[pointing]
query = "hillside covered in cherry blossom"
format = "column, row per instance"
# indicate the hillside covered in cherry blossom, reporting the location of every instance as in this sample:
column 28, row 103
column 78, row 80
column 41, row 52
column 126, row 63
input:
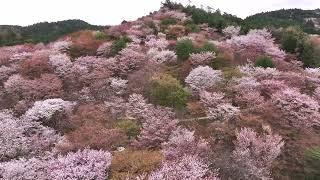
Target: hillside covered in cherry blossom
column 174, row 95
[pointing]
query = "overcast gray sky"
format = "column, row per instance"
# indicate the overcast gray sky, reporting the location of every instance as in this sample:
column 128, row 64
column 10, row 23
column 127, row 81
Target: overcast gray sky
column 110, row 12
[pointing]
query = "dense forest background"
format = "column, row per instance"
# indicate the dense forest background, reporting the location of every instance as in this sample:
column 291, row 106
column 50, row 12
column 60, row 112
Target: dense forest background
column 41, row 32
column 307, row 20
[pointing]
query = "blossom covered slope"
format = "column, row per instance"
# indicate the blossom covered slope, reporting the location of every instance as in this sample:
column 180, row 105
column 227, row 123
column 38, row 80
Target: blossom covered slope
column 157, row 99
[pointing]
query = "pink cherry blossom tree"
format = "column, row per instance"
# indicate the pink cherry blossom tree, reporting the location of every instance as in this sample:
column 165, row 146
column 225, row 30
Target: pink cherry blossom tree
column 20, row 137
column 162, row 56
column 44, row 110
column 217, row 107
column 231, row 31
column 85, row 164
column 298, row 109
column 61, row 63
column 247, row 92
column 262, row 42
column 157, row 122
column 183, row 142
column 255, row 154
column 202, row 58
column 187, row 167
column 203, row 77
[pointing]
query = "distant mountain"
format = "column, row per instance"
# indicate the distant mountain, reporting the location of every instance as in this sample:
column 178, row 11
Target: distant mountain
column 41, row 32
column 307, row 20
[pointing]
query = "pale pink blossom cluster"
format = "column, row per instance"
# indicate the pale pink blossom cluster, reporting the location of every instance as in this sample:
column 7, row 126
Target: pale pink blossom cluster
column 61, row 62
column 47, row 86
column 202, row 58
column 20, row 56
column 62, row 45
column 313, row 72
column 104, row 49
column 298, row 109
column 187, row 167
column 177, row 15
column 260, row 40
column 247, row 92
column 118, row 85
column 162, row 56
column 129, row 58
column 44, row 110
column 271, row 86
column 183, row 142
column 232, row 31
column 203, row 77
column 6, row 72
column 255, row 154
column 24, row 138
column 85, row 164
column 160, row 43
column 157, row 122
column 217, row 106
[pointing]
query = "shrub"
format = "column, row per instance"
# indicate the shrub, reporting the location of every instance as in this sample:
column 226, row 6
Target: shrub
column 100, row 35
column 175, row 31
column 195, row 109
column 208, row 47
column 129, row 127
column 265, row 62
column 314, row 153
column 130, row 164
column 229, row 73
column 192, row 27
column 291, row 38
column 168, row 21
column 184, row 49
column 308, row 55
column 222, row 60
column 289, row 43
column 167, row 91
column 118, row 45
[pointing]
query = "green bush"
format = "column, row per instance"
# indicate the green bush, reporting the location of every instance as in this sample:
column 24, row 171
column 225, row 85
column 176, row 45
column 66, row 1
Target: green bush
column 314, row 153
column 184, row 49
column 129, row 127
column 167, row 91
column 208, row 47
column 308, row 55
column 265, row 62
column 289, row 43
column 168, row 21
column 222, row 61
column 313, row 160
column 192, row 27
column 100, row 35
column 118, row 45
